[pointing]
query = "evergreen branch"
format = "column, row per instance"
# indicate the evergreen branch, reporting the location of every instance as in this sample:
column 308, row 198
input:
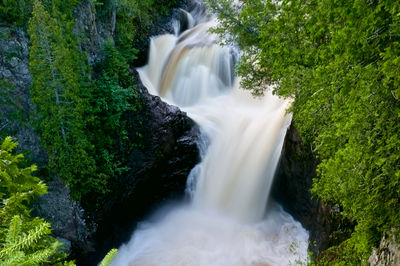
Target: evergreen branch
column 41, row 255
column 109, row 257
column 14, row 258
column 14, row 230
column 26, row 240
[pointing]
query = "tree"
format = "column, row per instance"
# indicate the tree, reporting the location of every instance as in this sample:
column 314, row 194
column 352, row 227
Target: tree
column 18, row 246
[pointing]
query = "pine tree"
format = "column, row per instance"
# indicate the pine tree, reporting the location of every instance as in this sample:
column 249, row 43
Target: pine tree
column 15, row 11
column 18, row 186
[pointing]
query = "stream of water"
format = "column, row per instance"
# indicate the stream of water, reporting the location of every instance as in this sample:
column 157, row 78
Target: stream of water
column 227, row 222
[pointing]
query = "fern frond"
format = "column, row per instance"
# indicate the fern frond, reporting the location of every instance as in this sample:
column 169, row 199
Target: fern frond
column 15, row 258
column 14, row 230
column 41, row 255
column 14, row 205
column 8, row 144
column 26, row 239
column 109, row 257
column 5, row 178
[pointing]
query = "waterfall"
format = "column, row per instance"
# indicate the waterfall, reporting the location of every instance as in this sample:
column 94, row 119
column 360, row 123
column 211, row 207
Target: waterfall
column 226, row 222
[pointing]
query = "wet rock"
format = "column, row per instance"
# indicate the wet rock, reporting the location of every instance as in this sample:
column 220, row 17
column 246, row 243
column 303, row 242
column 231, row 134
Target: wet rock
column 292, row 184
column 6, row 73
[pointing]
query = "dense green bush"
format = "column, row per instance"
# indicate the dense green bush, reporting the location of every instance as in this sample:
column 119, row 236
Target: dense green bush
column 15, row 11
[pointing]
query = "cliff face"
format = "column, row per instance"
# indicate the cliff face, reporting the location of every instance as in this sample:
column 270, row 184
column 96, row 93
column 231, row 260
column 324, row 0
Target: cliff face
column 291, row 188
column 16, row 108
column 157, row 169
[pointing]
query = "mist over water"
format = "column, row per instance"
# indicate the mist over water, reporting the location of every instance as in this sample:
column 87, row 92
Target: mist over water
column 227, row 222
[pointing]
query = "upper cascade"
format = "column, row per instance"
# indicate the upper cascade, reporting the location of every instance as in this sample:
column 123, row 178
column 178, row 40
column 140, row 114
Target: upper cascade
column 194, row 72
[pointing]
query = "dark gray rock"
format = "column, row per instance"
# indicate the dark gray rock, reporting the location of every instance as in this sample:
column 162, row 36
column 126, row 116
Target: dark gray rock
column 66, row 217
column 92, row 31
column 292, row 184
column 66, row 246
column 16, row 107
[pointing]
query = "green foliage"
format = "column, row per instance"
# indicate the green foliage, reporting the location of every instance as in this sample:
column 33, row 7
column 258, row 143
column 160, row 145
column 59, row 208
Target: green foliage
column 109, row 257
column 342, row 254
column 18, row 12
column 80, row 120
column 15, row 11
column 23, row 240
column 340, row 61
column 17, row 249
column 59, row 92
column 134, row 20
column 112, row 94
column 18, row 186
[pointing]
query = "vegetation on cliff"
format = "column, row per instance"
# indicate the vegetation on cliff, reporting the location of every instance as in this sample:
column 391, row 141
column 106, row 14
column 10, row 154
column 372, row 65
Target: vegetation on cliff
column 80, row 106
column 340, row 61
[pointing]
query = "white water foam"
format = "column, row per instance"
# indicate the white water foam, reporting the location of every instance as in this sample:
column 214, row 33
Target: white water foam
column 188, row 236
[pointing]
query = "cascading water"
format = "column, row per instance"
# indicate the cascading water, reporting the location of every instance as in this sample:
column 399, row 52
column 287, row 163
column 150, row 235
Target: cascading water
column 225, row 224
